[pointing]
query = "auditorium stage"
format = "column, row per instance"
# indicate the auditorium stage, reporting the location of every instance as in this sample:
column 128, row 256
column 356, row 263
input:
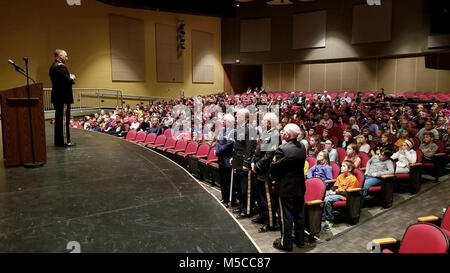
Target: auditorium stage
column 109, row 195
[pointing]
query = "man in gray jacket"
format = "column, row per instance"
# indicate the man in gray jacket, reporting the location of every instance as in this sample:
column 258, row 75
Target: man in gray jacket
column 376, row 167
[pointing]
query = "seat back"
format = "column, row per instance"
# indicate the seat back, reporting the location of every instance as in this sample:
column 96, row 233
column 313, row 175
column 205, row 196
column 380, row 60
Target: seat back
column 212, row 154
column 335, row 169
column 440, row 144
column 202, row 150
column 127, row 127
column 419, row 156
column 311, row 161
column 445, row 223
column 360, row 176
column 191, row 147
column 160, row 140
column 168, row 133
column 315, row 189
column 364, row 158
column 150, row 138
column 342, row 153
column 424, row 238
column 141, row 136
column 131, row 135
column 170, row 142
column 181, row 145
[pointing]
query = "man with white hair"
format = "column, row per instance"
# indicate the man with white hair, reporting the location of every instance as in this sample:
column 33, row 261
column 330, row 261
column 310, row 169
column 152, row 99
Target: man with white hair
column 287, row 171
column 325, row 96
column 224, row 152
column 243, row 149
column 265, row 150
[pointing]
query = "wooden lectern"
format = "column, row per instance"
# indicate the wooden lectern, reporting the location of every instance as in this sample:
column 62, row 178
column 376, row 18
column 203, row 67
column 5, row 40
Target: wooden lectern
column 16, row 128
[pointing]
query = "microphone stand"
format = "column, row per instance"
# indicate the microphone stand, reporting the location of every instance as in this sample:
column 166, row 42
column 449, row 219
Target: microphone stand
column 33, row 164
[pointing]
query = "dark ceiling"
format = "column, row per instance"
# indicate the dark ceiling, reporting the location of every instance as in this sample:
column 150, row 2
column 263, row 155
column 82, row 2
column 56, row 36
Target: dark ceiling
column 219, row 8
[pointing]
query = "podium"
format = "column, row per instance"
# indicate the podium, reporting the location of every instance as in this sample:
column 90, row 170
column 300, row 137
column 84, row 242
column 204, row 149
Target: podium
column 16, row 128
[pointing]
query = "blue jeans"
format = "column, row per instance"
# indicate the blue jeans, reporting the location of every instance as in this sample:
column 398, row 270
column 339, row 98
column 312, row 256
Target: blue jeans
column 329, row 206
column 369, row 181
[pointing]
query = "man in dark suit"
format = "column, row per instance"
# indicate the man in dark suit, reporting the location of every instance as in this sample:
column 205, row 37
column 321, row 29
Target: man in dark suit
column 265, row 150
column 62, row 82
column 287, row 171
column 243, row 149
column 224, row 152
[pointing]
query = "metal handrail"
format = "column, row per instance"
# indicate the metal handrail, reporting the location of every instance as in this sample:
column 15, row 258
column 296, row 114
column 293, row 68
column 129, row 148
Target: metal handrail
column 99, row 93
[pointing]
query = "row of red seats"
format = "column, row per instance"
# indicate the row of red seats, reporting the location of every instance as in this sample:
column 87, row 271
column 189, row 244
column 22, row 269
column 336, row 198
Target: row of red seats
column 428, row 95
column 199, row 159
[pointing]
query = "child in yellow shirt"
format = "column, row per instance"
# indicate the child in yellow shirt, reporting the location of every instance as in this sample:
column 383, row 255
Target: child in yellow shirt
column 345, row 181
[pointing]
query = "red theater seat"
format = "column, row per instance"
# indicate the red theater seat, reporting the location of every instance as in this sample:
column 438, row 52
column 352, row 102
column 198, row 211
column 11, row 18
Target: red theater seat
column 170, row 143
column 179, row 147
column 139, row 138
column 160, row 141
column 204, row 168
column 311, row 162
column 131, row 135
column 418, row 238
column 342, row 153
column 315, row 192
column 149, row 139
column 182, row 158
column 202, row 152
column 351, row 208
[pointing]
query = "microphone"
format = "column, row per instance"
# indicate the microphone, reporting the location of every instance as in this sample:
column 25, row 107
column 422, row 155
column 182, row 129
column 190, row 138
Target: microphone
column 11, row 62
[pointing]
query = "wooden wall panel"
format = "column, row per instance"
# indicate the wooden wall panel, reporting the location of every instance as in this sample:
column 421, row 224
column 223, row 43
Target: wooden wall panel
column 317, row 77
column 368, row 75
column 426, row 78
column 202, row 57
column 386, row 74
column 169, row 64
column 443, row 84
column 350, row 76
column 302, row 77
column 271, row 77
column 406, row 73
column 287, row 77
column 333, row 77
column 127, row 48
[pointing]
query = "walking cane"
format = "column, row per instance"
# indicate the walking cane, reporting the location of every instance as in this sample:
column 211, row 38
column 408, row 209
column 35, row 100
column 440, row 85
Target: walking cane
column 231, row 189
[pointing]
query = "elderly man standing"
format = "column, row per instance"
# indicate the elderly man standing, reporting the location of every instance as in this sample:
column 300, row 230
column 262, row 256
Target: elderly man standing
column 62, row 95
column 243, row 149
column 265, row 150
column 287, row 171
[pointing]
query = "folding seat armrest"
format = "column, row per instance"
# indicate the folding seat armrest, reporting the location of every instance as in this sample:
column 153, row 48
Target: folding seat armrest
column 179, row 150
column 386, row 176
column 201, row 156
column 362, row 169
column 314, row 202
column 385, row 241
column 415, row 164
column 438, row 154
column 213, row 160
column 332, row 181
column 430, row 219
column 170, row 147
column 354, row 190
column 388, row 243
column 191, row 153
